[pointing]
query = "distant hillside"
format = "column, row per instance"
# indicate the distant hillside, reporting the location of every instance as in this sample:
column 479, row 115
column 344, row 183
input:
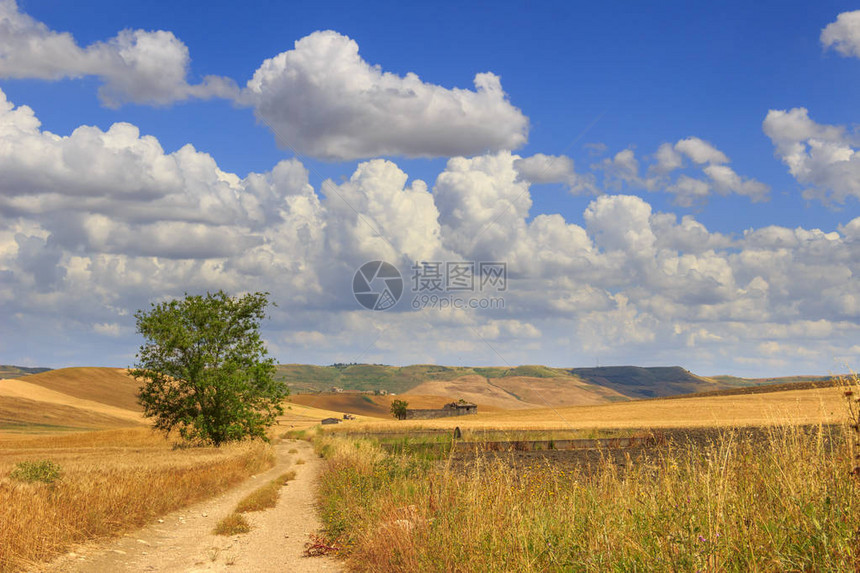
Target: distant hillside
column 74, row 399
column 8, row 371
column 767, row 385
column 735, row 382
column 304, row 378
column 523, row 386
column 639, row 382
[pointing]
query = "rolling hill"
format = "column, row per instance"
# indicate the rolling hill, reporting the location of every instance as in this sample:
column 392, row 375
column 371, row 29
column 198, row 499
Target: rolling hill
column 87, row 398
column 8, row 371
column 638, row 382
column 70, row 398
column 531, row 384
column 109, row 386
column 75, row 399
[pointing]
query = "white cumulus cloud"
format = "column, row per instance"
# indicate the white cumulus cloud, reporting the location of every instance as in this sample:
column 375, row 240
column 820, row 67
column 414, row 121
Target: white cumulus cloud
column 823, row 157
column 137, row 66
column 691, row 169
column 323, row 99
column 98, row 223
column 541, row 168
column 843, row 35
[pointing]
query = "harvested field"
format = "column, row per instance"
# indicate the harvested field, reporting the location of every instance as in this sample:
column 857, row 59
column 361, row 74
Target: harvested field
column 793, row 407
column 109, row 386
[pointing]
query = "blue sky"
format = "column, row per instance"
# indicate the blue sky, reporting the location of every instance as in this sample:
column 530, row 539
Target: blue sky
column 756, row 274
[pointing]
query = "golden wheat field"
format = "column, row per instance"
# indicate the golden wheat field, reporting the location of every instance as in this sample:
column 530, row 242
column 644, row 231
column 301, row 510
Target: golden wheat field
column 790, row 407
column 716, row 495
column 109, row 481
column 114, row 474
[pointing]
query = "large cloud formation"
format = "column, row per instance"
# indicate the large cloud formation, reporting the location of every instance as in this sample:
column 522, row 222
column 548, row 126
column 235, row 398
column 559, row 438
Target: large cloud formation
column 96, row 224
column 322, row 99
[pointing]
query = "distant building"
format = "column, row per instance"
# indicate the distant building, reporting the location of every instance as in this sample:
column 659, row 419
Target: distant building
column 336, row 390
column 458, row 408
column 329, row 421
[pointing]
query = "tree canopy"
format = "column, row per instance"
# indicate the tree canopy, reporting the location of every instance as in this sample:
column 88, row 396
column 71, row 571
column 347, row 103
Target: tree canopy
column 398, row 409
column 205, row 369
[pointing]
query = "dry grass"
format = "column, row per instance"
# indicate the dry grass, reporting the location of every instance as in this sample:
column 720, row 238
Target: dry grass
column 112, row 481
column 851, row 393
column 783, row 504
column 233, row 524
column 261, row 498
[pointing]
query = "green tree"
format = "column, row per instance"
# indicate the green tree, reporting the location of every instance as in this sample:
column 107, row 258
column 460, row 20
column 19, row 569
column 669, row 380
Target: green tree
column 205, row 370
column 398, row 409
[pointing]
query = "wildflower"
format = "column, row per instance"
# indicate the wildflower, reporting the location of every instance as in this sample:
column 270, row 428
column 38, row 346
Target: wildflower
column 702, row 539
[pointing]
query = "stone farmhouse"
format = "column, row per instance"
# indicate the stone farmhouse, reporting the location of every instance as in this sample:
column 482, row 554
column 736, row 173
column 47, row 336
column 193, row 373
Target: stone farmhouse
column 459, row 408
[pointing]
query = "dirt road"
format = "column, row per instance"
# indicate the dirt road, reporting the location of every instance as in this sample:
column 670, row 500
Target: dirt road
column 183, row 542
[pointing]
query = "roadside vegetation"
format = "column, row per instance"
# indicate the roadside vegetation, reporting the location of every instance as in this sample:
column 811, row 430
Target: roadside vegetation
column 262, row 498
column 785, row 502
column 56, row 491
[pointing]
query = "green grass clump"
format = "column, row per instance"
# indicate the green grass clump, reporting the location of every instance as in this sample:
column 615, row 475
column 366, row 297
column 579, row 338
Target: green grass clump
column 260, row 499
column 44, row 471
column 233, row 524
column 265, row 497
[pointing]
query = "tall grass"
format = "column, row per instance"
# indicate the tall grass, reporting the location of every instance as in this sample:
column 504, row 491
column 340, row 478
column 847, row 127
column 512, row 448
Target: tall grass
column 784, row 503
column 851, row 385
column 111, row 482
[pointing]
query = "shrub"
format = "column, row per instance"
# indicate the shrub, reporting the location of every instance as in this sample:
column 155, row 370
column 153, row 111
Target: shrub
column 43, row 470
